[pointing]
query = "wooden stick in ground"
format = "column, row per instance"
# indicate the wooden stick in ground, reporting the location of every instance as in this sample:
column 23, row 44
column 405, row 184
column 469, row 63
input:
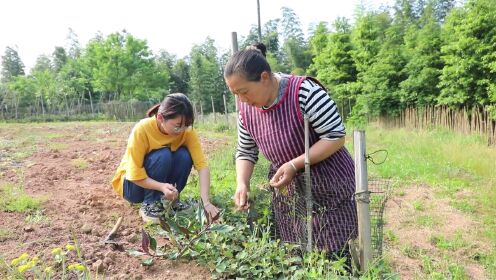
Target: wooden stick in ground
column 114, row 229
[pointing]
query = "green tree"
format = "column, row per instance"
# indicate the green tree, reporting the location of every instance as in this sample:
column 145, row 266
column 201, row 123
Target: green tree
column 334, row 63
column 442, row 9
column 180, row 77
column 423, row 48
column 19, row 93
column 367, row 37
column 12, row 65
column 206, row 80
column 317, row 43
column 468, row 77
column 295, row 53
column 74, row 47
column 270, row 36
column 382, row 79
column 59, row 58
column 123, row 68
column 74, row 84
column 251, row 38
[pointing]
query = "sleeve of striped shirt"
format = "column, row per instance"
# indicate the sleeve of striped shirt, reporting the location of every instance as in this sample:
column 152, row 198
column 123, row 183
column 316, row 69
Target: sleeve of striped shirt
column 247, row 148
column 322, row 111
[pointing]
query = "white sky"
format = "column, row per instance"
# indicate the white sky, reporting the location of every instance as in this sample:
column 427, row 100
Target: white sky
column 35, row 27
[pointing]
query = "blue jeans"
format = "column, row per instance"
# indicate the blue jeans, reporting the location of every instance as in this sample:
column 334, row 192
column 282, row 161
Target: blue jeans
column 163, row 166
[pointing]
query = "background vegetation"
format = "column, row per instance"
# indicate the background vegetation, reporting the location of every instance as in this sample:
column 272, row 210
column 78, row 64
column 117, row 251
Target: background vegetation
column 416, row 53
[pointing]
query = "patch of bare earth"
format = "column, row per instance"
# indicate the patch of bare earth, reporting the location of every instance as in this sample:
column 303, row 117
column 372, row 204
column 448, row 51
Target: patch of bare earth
column 416, row 239
column 74, row 181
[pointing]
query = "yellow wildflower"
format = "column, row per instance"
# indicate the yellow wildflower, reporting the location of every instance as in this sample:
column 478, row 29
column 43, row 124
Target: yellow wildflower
column 21, row 258
column 22, row 268
column 15, row 261
column 70, row 247
column 56, row 251
column 48, row 269
column 35, row 259
column 76, row 266
column 31, row 263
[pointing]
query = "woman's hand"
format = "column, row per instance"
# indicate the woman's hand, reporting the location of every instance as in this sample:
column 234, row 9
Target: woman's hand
column 241, row 198
column 170, row 192
column 283, row 176
column 211, row 211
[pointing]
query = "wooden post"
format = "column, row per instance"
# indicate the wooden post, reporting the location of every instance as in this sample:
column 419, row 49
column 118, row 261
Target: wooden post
column 234, row 44
column 259, row 25
column 362, row 197
column 308, row 187
column 225, row 109
column 194, row 109
column 213, row 108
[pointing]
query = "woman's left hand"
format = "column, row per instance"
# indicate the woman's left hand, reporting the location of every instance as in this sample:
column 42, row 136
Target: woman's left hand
column 283, row 176
column 212, row 212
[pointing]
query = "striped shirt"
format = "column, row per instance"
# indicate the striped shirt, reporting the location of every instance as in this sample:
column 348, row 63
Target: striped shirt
column 315, row 102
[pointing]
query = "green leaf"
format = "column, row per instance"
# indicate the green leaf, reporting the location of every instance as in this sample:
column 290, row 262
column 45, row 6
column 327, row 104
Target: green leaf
column 174, row 226
column 135, row 253
column 164, row 225
column 147, row 262
column 221, row 267
column 153, row 244
column 221, row 228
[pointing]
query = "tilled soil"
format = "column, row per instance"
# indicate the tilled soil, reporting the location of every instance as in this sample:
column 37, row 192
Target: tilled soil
column 70, row 169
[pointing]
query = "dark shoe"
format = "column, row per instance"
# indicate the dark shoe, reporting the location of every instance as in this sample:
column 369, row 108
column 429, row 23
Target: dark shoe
column 150, row 212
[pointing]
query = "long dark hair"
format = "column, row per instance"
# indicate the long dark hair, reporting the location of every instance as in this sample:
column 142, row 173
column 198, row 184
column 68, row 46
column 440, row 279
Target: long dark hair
column 248, row 63
column 174, row 105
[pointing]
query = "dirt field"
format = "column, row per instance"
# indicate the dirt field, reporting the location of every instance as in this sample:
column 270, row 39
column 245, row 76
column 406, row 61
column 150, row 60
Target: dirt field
column 70, row 165
column 70, row 168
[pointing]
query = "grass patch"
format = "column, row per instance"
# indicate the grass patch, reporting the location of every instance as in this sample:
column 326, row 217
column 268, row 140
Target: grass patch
column 53, row 135
column 426, row 221
column 57, row 145
column 418, row 205
column 37, row 217
column 463, row 205
column 4, row 234
column 390, row 236
column 453, row 244
column 13, row 199
column 80, row 163
column 411, row 251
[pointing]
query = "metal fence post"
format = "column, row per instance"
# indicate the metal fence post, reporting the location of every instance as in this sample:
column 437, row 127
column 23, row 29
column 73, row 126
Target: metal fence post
column 362, row 197
column 308, row 187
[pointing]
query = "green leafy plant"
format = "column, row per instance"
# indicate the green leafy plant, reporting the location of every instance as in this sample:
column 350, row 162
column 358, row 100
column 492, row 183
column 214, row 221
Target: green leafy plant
column 230, row 249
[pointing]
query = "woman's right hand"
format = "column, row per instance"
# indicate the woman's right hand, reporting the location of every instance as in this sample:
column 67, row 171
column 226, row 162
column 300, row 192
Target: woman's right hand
column 170, row 192
column 241, row 198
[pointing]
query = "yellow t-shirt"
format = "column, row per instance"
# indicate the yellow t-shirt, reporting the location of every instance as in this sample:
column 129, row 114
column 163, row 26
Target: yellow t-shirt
column 146, row 137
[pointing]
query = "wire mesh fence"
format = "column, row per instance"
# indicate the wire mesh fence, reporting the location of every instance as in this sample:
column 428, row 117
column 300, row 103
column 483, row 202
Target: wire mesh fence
column 380, row 191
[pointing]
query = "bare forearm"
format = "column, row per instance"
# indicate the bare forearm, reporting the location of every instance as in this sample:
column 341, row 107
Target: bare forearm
column 244, row 170
column 319, row 151
column 149, row 183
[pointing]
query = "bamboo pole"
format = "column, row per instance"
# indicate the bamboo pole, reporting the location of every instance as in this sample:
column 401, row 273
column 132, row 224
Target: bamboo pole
column 213, row 108
column 225, row 110
column 308, row 186
column 234, row 47
column 362, row 197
